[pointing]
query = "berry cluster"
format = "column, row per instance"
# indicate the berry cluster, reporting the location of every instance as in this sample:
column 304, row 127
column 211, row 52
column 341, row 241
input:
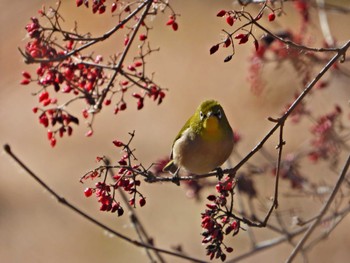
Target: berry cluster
column 66, row 73
column 218, row 220
column 126, row 180
column 327, row 139
column 242, row 33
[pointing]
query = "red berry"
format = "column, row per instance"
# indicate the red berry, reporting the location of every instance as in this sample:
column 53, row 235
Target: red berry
column 271, row 17
column 142, row 201
column 89, row 133
column 26, row 75
column 140, row 104
column 221, row 13
column 229, row 249
column 211, row 197
column 107, row 102
column 122, row 106
column 88, row 192
column 85, row 113
column 53, row 142
column 131, row 68
column 120, row 211
column 102, row 9
column 122, row 162
column 46, row 102
column 79, row 2
column 25, row 81
column 132, row 201
column 138, row 64
column 175, row 26
column 243, row 38
column 213, row 49
column 234, row 225
column 126, row 40
column 142, row 37
column 227, row 42
column 136, row 95
column 211, row 206
column 170, row 21
column 49, row 134
column 114, row 7
column 230, row 20
column 35, row 109
column 70, row 130
column 118, row 143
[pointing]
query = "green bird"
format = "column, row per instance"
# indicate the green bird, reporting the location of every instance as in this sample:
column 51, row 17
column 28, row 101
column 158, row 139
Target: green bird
column 204, row 143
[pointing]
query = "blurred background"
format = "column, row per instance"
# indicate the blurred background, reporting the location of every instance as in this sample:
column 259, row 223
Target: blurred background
column 35, row 228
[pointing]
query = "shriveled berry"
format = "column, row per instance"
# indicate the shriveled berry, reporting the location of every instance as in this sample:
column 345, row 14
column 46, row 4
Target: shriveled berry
column 213, row 49
column 211, row 197
column 122, row 106
column 120, row 211
column 142, row 201
column 229, row 249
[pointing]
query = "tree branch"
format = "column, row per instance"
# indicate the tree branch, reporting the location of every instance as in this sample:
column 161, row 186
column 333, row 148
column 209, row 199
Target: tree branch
column 66, row 203
column 323, row 211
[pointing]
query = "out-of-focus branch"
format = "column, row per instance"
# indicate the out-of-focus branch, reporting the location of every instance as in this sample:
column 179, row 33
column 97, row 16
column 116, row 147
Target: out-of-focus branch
column 263, row 245
column 323, row 211
column 326, row 31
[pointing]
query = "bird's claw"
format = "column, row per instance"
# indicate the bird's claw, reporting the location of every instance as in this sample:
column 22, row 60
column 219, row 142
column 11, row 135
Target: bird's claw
column 176, row 179
column 219, row 173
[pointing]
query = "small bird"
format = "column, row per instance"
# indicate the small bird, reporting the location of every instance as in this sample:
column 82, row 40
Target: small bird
column 203, row 144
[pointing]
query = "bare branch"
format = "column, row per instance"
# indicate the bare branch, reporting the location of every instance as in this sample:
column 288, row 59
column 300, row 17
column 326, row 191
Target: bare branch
column 322, row 212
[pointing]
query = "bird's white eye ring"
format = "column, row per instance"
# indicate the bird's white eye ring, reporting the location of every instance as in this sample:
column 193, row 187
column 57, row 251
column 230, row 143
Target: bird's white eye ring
column 201, row 115
column 218, row 114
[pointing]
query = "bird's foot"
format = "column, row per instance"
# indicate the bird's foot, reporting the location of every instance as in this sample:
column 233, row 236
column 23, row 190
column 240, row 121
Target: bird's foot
column 176, row 178
column 219, row 173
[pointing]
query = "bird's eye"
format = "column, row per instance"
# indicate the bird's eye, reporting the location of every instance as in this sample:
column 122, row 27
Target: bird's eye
column 219, row 114
column 201, row 115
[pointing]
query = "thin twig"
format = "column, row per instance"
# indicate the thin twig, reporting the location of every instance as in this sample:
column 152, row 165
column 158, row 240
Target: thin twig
column 140, row 229
column 123, row 55
column 323, row 211
column 263, row 245
column 66, row 203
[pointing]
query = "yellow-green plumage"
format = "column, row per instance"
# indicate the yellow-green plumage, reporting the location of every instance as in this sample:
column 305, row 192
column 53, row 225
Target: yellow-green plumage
column 204, row 143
